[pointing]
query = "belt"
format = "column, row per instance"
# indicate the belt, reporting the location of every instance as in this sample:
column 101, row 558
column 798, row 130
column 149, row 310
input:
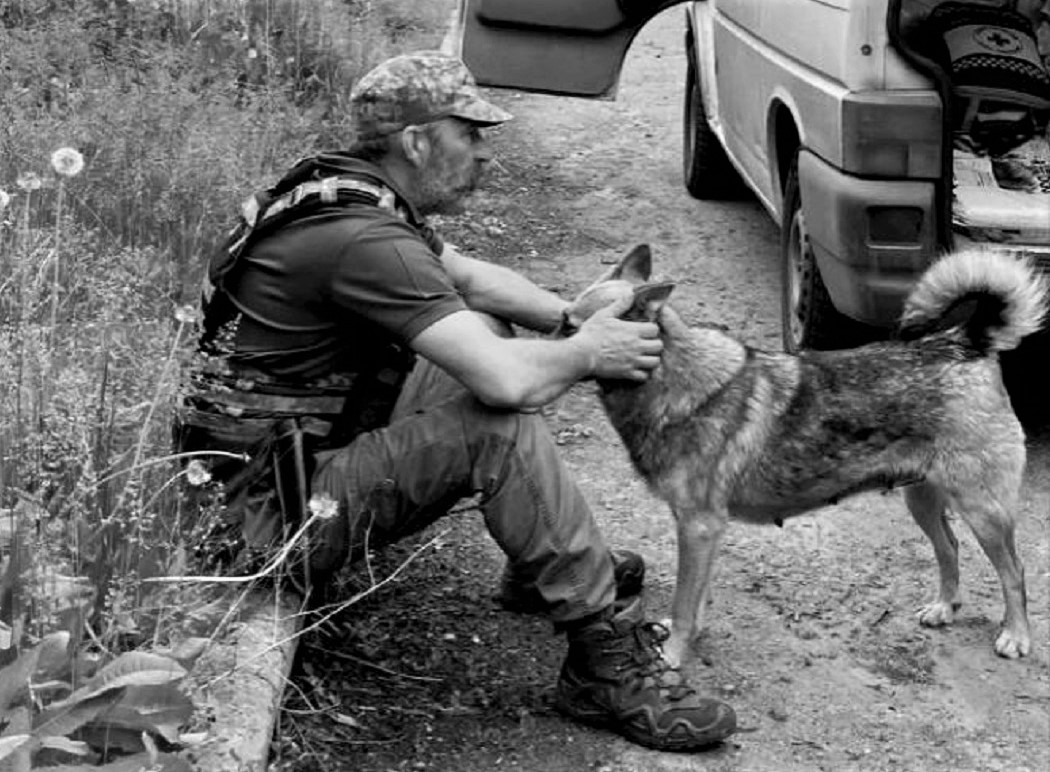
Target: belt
column 237, row 403
column 248, row 428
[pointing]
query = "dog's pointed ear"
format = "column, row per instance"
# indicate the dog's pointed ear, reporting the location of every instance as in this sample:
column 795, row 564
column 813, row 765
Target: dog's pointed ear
column 649, row 299
column 636, row 266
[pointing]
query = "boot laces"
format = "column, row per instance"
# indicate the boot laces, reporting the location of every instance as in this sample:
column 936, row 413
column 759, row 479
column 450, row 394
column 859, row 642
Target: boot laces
column 642, row 655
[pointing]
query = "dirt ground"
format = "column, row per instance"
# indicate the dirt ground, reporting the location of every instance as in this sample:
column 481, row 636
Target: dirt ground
column 812, row 634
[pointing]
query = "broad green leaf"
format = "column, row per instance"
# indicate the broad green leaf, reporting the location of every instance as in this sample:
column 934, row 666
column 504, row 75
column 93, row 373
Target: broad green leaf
column 55, row 660
column 188, row 650
column 165, row 762
column 134, row 668
column 137, row 668
column 64, row 744
column 46, row 687
column 18, row 722
column 9, row 745
column 156, row 700
column 14, row 678
column 112, row 740
column 67, row 717
column 151, row 748
column 161, row 709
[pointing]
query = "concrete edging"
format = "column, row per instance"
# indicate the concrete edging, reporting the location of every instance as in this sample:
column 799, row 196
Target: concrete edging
column 239, row 681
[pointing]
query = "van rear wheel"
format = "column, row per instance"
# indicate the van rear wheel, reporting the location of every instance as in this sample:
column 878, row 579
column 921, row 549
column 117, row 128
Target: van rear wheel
column 706, row 169
column 809, row 320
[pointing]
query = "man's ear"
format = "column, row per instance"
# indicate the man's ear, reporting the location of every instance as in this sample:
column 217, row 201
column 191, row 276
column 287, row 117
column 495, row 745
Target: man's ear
column 415, row 144
column 636, row 266
column 649, row 299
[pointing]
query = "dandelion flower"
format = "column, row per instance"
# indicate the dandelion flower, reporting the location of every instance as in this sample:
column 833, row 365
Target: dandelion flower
column 323, row 506
column 197, row 474
column 5, row 199
column 67, row 162
column 28, row 181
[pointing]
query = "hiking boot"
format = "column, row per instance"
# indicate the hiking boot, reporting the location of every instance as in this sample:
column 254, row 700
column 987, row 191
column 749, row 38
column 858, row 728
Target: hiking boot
column 522, row 598
column 615, row 677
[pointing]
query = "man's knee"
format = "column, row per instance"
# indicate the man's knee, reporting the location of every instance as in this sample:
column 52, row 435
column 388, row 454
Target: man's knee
column 506, row 442
column 515, row 426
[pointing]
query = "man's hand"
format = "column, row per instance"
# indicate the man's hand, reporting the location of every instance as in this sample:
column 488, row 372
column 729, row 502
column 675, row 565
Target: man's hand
column 620, row 349
column 524, row 373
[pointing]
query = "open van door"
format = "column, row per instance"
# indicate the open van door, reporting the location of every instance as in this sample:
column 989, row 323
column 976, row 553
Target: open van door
column 570, row 47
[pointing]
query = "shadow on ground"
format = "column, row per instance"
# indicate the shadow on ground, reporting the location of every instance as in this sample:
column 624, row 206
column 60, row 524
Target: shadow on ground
column 430, row 669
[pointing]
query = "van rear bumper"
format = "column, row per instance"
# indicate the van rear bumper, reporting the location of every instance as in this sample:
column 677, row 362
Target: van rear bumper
column 871, row 238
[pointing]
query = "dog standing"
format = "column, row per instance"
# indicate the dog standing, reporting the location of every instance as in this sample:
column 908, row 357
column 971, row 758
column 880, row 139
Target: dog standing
column 723, row 430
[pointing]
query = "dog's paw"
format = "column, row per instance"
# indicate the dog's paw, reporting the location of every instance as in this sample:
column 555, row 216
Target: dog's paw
column 937, row 614
column 674, row 650
column 1012, row 644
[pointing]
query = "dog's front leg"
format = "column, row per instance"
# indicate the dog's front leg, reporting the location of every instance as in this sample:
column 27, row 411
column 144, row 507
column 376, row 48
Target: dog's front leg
column 699, row 536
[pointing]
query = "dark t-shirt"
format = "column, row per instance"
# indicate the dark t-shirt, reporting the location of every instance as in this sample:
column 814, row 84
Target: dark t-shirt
column 328, row 293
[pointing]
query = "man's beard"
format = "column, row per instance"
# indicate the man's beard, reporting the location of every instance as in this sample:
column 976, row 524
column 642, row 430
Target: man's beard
column 440, row 191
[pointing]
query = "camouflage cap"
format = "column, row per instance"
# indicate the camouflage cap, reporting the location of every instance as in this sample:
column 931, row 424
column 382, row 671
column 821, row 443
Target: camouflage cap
column 414, row 89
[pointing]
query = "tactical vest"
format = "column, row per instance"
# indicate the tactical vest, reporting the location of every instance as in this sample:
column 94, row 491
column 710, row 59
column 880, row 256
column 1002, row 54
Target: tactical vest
column 230, row 400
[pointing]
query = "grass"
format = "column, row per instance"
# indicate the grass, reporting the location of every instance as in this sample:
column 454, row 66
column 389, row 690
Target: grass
column 130, row 132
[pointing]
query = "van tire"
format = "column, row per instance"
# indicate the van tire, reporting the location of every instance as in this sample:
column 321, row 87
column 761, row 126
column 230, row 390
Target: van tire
column 1027, row 384
column 809, row 320
column 706, row 170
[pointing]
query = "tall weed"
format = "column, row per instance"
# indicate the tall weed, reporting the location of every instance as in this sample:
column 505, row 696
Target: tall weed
column 178, row 109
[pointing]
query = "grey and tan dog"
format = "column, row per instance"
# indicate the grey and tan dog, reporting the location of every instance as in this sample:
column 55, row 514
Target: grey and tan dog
column 723, row 430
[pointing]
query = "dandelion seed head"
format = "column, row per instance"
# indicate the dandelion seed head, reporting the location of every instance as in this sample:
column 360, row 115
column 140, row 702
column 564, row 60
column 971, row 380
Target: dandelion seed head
column 28, row 181
column 197, row 473
column 323, row 506
column 67, row 161
column 186, row 315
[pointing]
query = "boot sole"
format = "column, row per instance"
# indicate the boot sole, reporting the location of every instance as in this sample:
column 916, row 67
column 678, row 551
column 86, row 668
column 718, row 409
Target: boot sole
column 596, row 716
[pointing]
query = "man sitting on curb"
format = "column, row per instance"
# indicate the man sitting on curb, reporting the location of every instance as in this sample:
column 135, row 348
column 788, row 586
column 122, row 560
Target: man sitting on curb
column 336, row 310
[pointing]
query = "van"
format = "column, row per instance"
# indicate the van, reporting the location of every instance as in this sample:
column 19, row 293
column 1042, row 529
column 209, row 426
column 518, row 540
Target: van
column 877, row 133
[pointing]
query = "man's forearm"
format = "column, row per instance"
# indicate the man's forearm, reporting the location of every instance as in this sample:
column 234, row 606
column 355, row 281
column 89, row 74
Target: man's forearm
column 526, row 372
column 515, row 373
column 507, row 294
column 547, row 369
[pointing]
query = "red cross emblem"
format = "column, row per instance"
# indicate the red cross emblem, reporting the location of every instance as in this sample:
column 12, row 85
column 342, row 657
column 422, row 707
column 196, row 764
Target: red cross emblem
column 998, row 39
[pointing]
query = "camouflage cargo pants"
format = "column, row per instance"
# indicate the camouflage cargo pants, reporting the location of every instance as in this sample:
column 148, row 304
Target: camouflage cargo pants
column 443, row 445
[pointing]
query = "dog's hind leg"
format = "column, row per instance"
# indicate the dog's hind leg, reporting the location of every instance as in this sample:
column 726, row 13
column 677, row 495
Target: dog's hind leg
column 927, row 505
column 992, row 523
column 699, row 537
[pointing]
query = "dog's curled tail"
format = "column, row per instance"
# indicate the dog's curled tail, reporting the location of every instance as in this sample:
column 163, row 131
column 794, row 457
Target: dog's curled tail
column 995, row 299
